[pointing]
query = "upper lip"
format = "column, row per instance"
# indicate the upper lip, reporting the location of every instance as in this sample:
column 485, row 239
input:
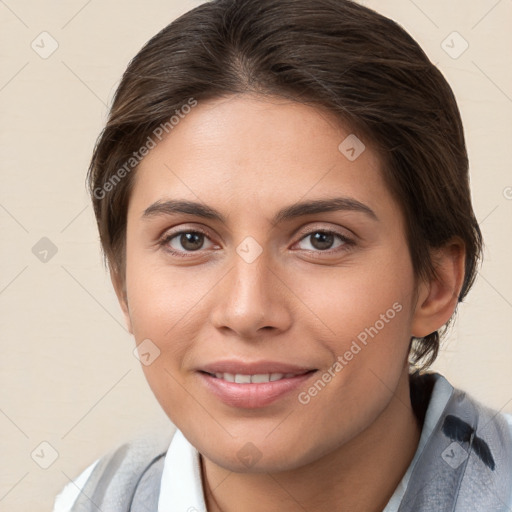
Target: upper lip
column 253, row 368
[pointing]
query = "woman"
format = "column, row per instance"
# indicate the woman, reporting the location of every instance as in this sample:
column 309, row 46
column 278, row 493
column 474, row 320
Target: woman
column 283, row 200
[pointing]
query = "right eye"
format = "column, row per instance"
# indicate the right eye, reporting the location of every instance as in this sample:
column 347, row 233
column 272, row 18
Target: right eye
column 181, row 242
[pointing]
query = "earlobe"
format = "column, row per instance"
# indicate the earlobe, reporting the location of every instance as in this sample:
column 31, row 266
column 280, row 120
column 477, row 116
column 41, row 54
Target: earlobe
column 119, row 288
column 437, row 299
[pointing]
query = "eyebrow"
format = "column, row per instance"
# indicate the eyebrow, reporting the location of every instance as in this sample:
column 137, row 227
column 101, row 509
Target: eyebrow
column 173, row 206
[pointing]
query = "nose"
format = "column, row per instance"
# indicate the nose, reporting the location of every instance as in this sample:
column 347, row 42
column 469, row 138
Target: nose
column 251, row 299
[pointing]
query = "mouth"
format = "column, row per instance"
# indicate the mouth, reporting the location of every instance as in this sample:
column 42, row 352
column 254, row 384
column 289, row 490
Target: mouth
column 250, row 386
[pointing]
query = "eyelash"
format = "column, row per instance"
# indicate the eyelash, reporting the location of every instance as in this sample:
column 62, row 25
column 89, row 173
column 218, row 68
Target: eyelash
column 347, row 242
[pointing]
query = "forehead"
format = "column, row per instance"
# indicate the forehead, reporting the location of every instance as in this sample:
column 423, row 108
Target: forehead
column 251, row 152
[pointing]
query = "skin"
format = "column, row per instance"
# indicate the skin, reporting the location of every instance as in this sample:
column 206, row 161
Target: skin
column 298, row 302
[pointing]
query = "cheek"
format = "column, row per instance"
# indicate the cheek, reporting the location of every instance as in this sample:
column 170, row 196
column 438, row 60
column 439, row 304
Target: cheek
column 366, row 297
column 162, row 299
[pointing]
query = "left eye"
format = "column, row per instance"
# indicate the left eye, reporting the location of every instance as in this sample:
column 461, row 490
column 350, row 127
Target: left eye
column 324, row 240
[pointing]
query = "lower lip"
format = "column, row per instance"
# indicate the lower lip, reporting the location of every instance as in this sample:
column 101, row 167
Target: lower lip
column 252, row 396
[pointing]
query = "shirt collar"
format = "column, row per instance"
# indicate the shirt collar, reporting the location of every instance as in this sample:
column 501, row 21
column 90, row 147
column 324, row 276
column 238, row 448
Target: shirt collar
column 181, row 487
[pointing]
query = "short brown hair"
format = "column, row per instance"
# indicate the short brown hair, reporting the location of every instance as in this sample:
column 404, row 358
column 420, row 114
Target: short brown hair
column 334, row 54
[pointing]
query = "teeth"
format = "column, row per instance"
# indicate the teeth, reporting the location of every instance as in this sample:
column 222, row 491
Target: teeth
column 240, row 378
column 260, row 377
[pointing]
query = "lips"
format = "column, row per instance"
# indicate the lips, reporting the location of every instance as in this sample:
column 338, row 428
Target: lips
column 252, row 385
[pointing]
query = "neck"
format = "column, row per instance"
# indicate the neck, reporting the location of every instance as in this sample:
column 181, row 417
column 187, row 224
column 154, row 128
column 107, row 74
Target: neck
column 359, row 476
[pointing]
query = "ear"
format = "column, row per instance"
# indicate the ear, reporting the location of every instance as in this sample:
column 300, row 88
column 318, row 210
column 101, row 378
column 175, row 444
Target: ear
column 438, row 298
column 120, row 289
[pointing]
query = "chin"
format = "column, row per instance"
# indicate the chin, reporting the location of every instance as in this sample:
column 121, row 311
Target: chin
column 261, row 457
column 274, row 464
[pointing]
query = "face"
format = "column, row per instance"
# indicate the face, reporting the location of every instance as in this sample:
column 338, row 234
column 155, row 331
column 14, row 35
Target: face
column 287, row 271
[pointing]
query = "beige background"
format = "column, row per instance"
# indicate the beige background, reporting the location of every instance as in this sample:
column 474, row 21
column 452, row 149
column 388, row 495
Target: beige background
column 68, row 375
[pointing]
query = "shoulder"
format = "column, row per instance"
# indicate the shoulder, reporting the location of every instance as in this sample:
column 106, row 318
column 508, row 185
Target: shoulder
column 117, row 473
